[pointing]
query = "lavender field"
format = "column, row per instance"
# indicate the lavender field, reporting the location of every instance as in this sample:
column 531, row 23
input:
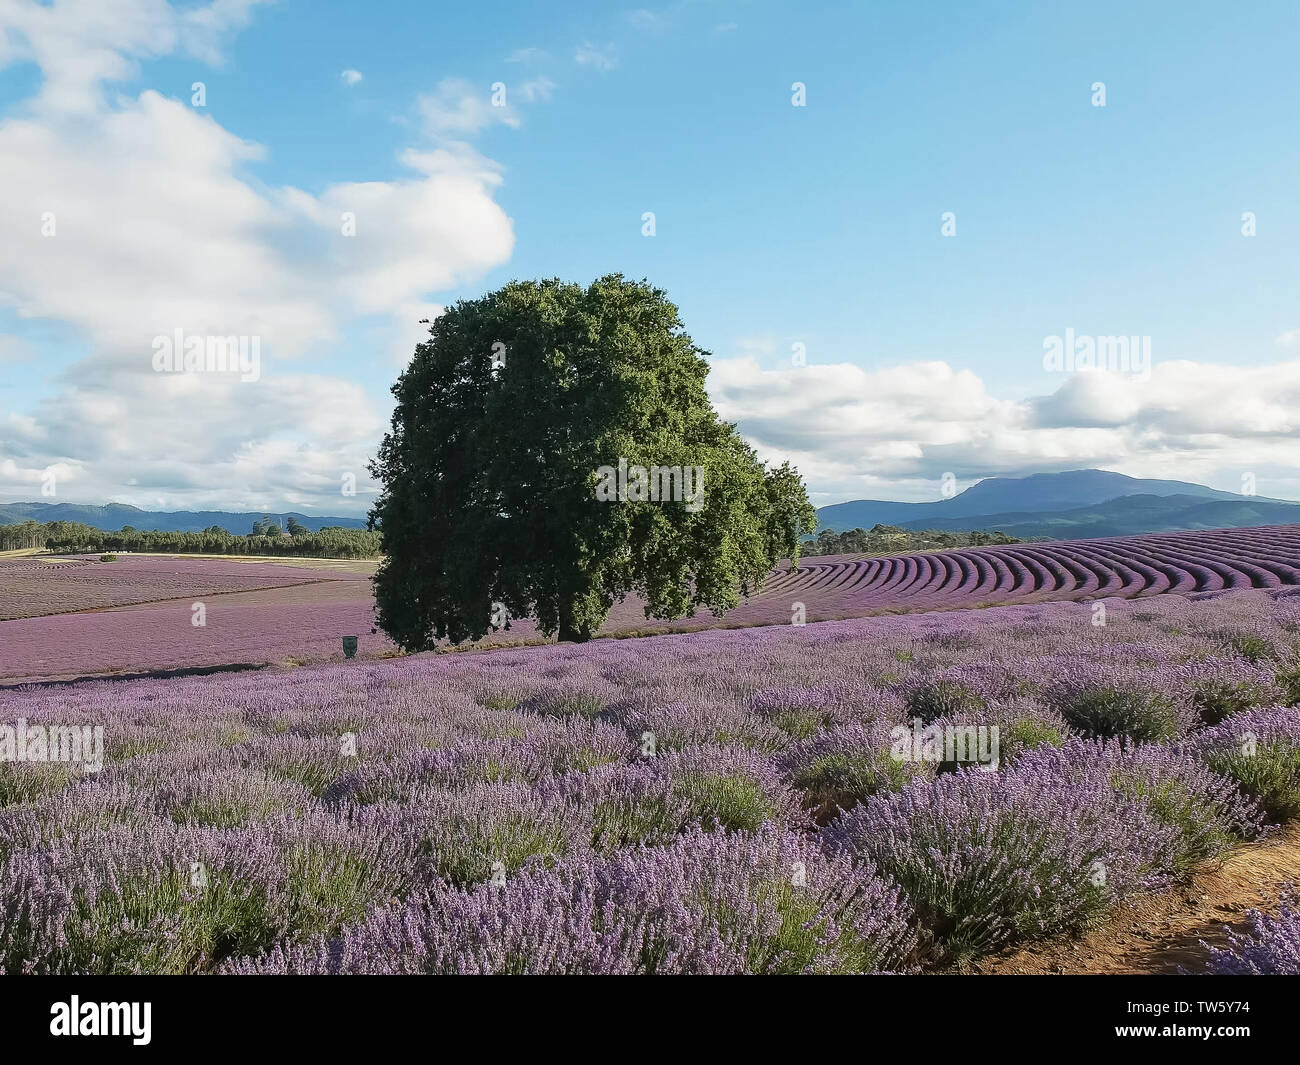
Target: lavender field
column 899, row 794
column 285, row 625
column 1125, row 566
column 36, row 588
column 260, row 613
column 83, row 617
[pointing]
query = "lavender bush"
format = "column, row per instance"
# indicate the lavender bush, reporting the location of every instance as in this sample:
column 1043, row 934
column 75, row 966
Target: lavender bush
column 766, row 902
column 1207, row 812
column 989, row 859
column 1259, row 751
column 338, row 811
column 836, row 769
column 1272, row 948
column 1100, row 698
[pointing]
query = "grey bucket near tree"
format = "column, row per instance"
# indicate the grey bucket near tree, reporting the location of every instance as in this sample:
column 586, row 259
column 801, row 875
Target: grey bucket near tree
column 349, row 646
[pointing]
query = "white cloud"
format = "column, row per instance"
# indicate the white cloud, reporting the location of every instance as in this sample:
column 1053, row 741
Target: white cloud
column 80, row 44
column 458, row 108
column 762, row 346
column 227, row 443
column 646, row 20
column 528, row 55
column 167, row 230
column 351, row 77
column 598, row 57
column 540, row 88
column 14, row 349
column 889, row 432
column 1095, row 399
column 1289, row 339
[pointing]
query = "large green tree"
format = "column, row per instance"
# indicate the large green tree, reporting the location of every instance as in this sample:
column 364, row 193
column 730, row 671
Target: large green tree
column 490, row 474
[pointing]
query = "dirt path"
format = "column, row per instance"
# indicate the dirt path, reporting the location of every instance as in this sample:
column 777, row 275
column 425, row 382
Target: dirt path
column 1161, row 933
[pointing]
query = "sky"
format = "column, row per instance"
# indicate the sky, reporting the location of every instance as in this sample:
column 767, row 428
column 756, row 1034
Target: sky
column 880, row 221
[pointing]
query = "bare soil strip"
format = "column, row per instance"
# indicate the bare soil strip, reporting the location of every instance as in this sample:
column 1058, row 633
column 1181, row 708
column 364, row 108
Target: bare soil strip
column 1163, row 933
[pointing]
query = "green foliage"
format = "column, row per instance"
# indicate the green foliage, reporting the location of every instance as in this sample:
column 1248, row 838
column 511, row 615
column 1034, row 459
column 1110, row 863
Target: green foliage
column 1251, row 646
column 1288, row 676
column 1108, row 711
column 490, row 470
column 841, row 780
column 1217, row 699
column 725, row 801
column 889, row 539
column 24, row 782
column 463, row 848
column 1202, row 832
column 1270, row 776
column 942, row 697
column 1025, row 733
column 627, row 819
column 799, row 724
column 74, row 538
column 118, row 932
column 798, row 940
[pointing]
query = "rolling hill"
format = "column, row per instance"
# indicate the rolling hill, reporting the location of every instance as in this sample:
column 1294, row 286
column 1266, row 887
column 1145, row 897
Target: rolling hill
column 1079, row 503
column 1071, row 505
column 1131, row 516
column 113, row 516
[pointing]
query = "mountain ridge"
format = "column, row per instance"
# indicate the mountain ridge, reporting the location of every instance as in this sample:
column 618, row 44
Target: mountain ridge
column 112, row 516
column 1033, row 499
column 1068, row 505
column 1132, row 516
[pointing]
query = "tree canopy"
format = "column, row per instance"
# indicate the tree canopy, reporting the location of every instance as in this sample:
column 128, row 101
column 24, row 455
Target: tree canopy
column 526, row 430
column 75, row 538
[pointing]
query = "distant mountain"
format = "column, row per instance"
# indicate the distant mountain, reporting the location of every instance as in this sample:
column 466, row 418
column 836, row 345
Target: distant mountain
column 1026, row 499
column 1132, row 515
column 113, row 516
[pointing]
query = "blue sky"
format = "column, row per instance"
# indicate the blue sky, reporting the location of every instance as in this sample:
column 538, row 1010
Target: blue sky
column 775, row 225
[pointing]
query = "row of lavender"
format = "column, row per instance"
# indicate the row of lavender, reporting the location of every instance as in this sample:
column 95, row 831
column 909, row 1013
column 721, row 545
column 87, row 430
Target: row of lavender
column 764, row 800
column 1127, row 566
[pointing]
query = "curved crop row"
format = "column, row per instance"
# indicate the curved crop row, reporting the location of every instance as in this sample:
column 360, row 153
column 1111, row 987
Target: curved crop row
column 1128, row 566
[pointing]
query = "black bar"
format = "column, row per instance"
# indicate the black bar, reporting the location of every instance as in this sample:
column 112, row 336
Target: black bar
column 299, row 1014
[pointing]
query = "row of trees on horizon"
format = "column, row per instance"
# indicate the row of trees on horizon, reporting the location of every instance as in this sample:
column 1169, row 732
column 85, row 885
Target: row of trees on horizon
column 884, row 539
column 266, row 538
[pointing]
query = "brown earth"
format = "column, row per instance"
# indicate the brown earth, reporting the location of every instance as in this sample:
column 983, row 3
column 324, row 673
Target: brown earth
column 1163, row 933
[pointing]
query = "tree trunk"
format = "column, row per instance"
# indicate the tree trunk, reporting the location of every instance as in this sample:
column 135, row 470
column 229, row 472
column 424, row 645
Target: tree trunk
column 571, row 631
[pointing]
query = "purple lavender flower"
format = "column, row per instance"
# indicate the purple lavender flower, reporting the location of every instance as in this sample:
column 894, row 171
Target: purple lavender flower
column 1271, row 949
column 988, row 859
column 1207, row 811
column 843, row 766
column 1259, row 751
column 1106, row 699
column 767, row 902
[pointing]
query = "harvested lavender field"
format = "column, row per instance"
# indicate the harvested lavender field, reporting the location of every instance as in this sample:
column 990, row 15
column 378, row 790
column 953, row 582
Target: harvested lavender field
column 893, row 793
column 290, row 624
column 37, row 587
column 137, row 614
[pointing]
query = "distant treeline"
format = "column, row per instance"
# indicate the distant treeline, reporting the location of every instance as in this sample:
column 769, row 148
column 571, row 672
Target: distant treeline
column 880, row 539
column 266, row 538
